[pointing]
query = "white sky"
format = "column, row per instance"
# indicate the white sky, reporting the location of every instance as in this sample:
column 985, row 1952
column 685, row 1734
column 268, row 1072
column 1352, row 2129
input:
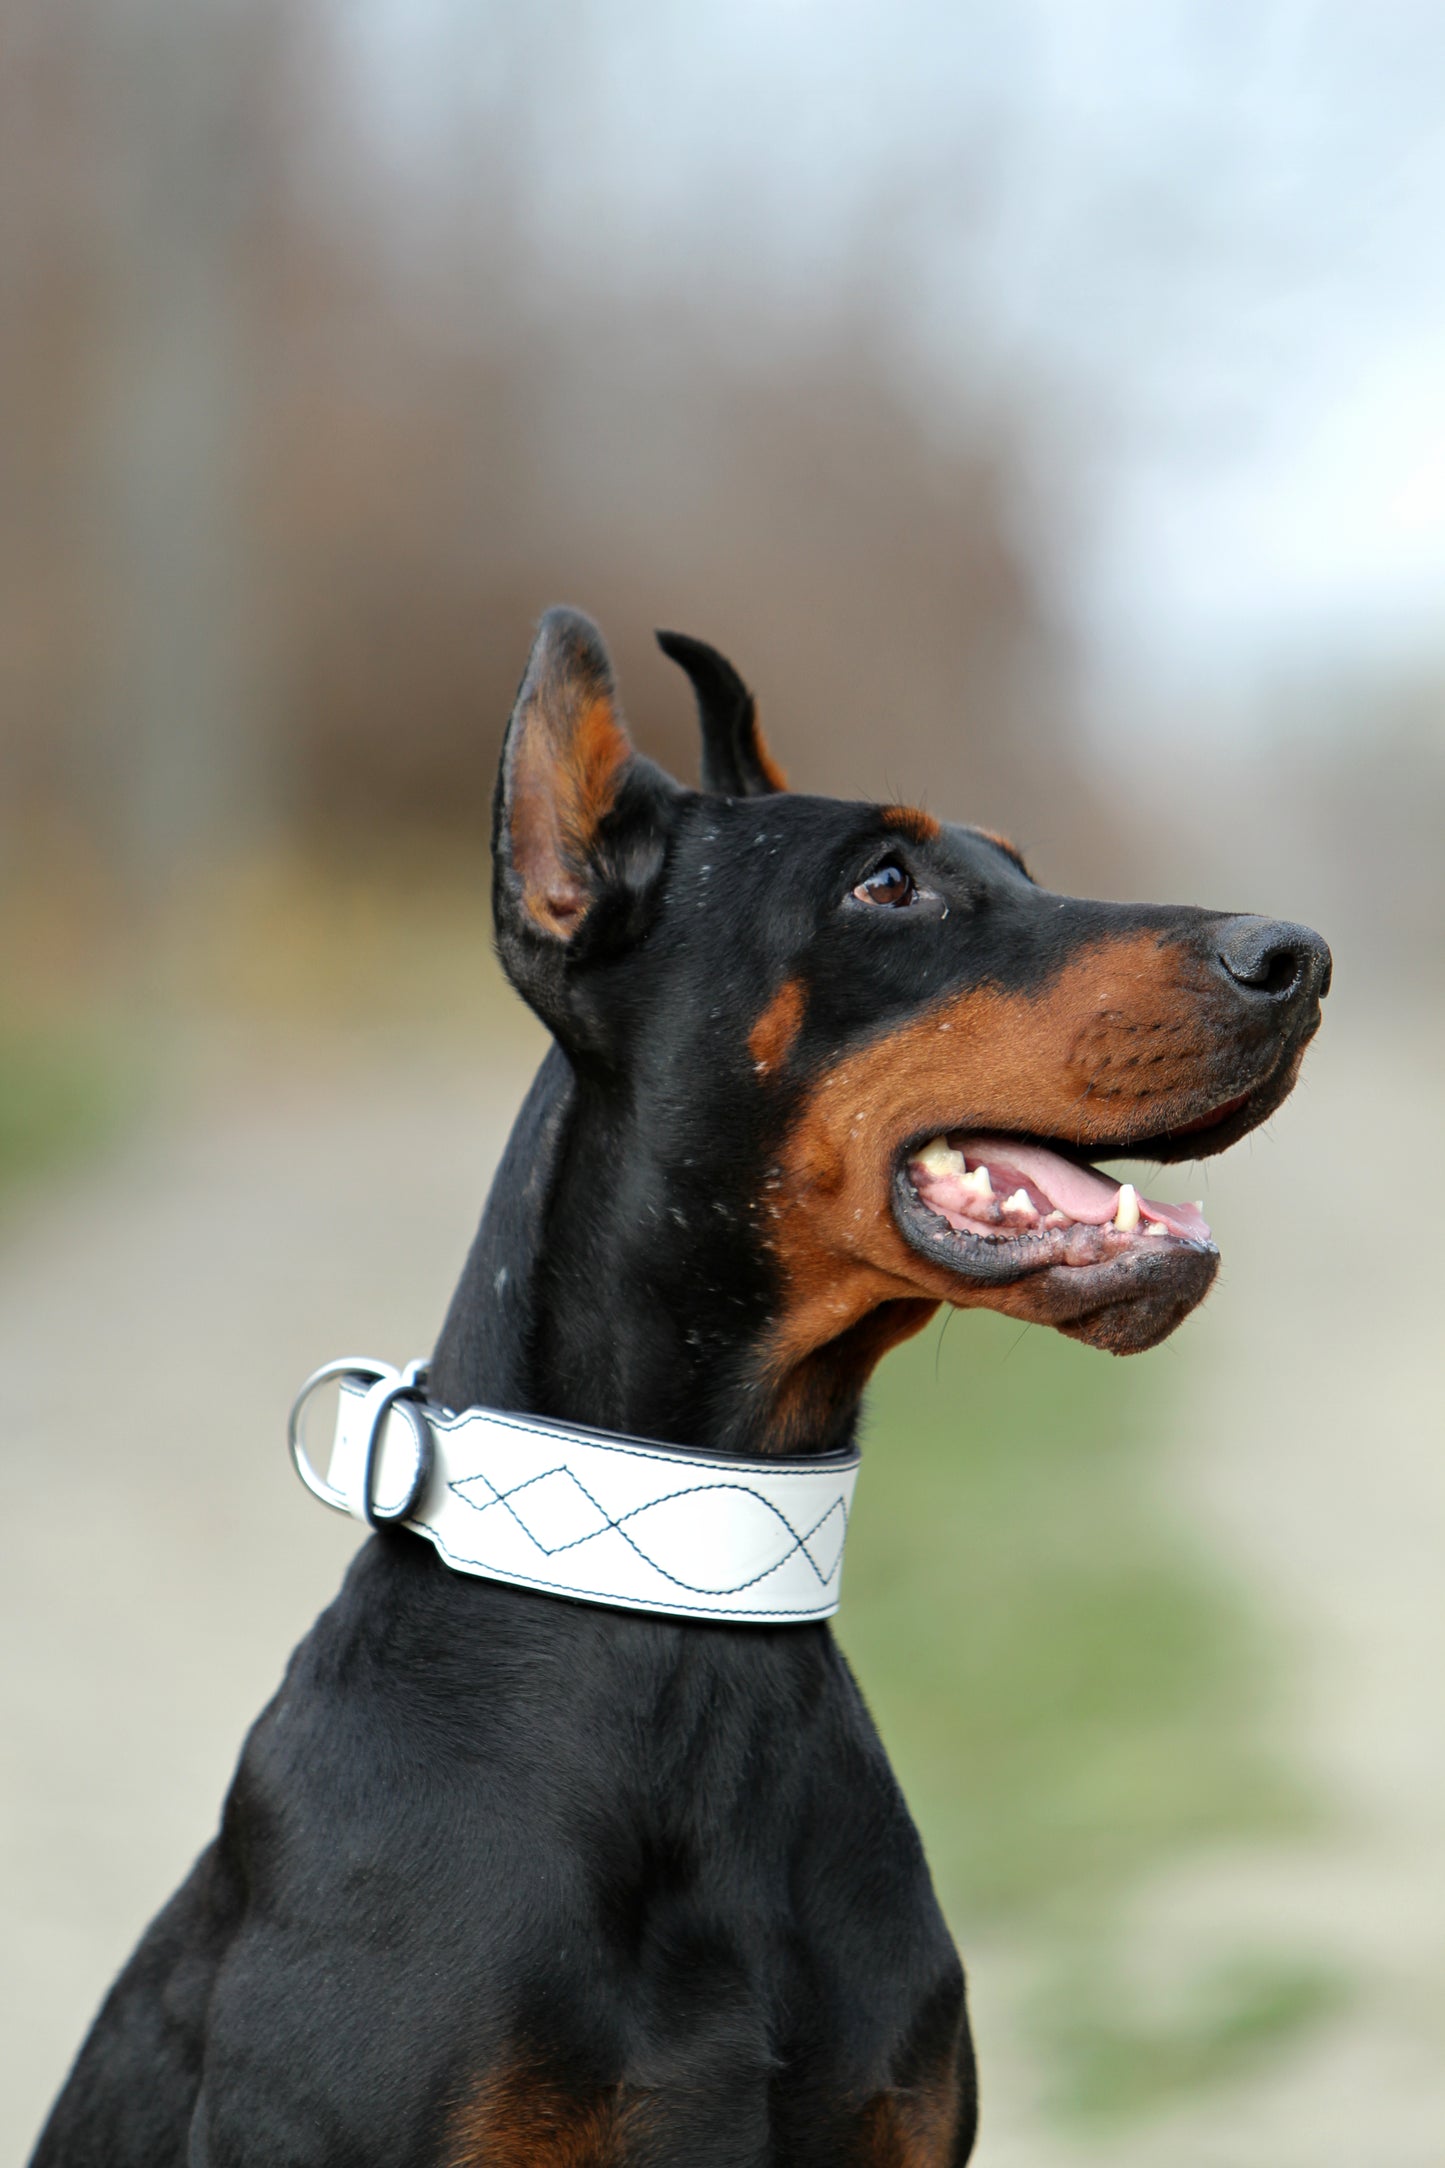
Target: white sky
column 1206, row 238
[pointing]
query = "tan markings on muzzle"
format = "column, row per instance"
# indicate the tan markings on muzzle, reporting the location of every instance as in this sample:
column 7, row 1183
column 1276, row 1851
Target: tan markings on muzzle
column 1108, row 1045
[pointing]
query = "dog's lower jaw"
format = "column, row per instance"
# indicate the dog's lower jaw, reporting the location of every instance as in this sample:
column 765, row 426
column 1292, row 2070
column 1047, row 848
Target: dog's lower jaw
column 1141, row 1309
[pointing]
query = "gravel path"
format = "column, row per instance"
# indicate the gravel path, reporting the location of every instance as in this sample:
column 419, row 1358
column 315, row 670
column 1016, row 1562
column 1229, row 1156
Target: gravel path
column 156, row 1316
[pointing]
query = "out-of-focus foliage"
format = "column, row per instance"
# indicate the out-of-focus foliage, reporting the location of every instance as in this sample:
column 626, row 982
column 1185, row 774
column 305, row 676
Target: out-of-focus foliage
column 63, row 1093
column 285, row 494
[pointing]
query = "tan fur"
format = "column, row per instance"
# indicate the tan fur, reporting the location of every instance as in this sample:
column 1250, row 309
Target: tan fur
column 772, row 1036
column 909, row 820
column 1001, row 843
column 564, row 781
column 518, row 2118
column 1114, row 1042
column 773, row 774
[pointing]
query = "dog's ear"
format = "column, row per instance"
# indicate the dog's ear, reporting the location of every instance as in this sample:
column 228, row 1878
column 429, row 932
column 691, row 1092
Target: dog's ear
column 735, row 759
column 563, row 760
column 579, row 823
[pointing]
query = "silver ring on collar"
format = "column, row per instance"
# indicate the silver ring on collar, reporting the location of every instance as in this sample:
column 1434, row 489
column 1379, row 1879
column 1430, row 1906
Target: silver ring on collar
column 403, row 1390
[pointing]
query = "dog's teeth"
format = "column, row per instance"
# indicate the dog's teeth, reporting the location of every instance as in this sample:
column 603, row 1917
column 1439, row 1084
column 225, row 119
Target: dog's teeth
column 938, row 1157
column 1126, row 1215
column 978, row 1182
column 1020, row 1201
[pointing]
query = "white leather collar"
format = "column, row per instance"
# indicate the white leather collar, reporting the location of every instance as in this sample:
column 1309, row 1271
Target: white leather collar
column 585, row 1513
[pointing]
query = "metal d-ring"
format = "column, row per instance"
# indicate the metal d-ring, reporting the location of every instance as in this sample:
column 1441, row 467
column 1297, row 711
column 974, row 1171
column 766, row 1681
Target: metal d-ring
column 404, row 1395
column 361, row 1367
column 405, row 1388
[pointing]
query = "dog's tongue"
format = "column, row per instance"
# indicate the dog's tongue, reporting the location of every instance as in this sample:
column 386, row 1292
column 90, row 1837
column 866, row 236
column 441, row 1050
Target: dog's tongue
column 1077, row 1191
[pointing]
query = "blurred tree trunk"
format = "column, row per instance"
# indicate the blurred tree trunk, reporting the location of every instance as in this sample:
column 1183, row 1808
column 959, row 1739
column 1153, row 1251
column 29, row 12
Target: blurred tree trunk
column 324, row 398
column 182, row 774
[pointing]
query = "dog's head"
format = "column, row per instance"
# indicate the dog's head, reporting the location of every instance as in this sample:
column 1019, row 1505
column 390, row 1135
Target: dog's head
column 845, row 1062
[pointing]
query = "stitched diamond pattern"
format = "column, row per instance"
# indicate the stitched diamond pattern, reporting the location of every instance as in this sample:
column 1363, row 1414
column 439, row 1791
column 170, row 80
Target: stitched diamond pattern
column 553, row 1509
column 615, row 1520
column 557, row 1513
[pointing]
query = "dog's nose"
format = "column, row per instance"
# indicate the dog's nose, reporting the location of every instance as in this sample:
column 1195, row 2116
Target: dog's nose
column 1267, row 956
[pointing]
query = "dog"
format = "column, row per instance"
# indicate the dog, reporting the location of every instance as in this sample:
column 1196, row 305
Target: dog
column 508, row 1876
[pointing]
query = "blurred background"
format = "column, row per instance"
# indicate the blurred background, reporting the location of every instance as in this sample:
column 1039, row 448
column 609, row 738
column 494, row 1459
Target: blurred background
column 1041, row 404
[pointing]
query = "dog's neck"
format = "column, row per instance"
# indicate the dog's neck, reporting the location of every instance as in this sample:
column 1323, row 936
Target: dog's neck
column 483, row 1357
column 592, row 1304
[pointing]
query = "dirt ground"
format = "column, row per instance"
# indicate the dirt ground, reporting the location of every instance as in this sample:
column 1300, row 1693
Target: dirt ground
column 157, row 1313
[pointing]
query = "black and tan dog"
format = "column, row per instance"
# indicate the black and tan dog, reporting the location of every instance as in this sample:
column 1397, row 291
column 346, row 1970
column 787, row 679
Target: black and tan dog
column 509, row 1880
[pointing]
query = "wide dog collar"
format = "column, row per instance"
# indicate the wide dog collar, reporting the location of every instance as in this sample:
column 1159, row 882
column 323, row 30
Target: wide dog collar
column 584, row 1513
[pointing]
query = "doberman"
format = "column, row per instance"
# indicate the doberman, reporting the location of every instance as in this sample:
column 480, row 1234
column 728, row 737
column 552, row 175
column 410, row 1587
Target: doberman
column 513, row 1880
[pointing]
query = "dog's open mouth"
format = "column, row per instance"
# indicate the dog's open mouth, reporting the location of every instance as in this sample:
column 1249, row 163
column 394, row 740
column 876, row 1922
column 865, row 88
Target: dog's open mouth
column 1002, row 1190
column 1028, row 1230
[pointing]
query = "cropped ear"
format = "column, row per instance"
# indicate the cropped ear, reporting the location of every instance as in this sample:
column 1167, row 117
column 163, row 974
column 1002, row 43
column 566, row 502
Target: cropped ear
column 579, row 823
column 735, row 760
column 563, row 760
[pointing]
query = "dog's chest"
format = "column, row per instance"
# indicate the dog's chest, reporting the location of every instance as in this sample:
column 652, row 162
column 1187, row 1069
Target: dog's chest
column 653, row 1899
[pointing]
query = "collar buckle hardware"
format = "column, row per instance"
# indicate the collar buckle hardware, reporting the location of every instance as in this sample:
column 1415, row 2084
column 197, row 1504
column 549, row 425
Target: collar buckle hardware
column 387, row 1389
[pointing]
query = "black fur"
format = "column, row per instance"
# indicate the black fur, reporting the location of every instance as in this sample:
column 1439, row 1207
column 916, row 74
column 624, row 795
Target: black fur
column 483, row 1835
column 732, row 761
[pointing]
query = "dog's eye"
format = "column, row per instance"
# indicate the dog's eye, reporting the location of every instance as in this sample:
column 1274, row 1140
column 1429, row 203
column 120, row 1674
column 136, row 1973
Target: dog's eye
column 889, row 885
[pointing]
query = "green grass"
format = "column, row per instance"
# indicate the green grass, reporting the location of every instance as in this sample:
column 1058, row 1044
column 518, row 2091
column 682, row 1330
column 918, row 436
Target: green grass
column 63, row 1093
column 1127, row 2062
column 1069, row 1697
